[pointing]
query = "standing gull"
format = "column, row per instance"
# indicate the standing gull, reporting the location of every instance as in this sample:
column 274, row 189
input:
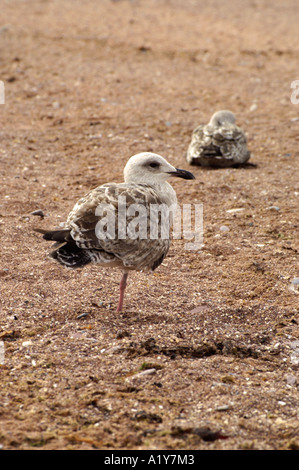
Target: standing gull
column 219, row 144
column 96, row 230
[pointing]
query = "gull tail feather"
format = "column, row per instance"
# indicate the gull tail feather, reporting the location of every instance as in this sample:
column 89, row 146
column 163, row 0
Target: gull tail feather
column 66, row 250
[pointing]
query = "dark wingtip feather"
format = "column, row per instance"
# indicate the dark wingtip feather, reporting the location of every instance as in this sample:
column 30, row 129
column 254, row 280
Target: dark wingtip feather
column 71, row 256
column 54, row 235
column 67, row 252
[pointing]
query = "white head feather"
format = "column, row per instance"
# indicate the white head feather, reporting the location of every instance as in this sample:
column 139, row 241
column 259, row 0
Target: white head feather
column 222, row 117
column 147, row 168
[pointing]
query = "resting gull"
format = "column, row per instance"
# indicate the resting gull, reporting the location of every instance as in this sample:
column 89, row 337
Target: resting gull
column 102, row 228
column 220, row 143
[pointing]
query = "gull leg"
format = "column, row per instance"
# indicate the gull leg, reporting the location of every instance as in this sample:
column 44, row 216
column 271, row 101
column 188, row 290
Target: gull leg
column 122, row 287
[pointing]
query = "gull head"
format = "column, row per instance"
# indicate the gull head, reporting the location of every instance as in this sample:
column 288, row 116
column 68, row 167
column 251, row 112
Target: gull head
column 222, row 117
column 150, row 168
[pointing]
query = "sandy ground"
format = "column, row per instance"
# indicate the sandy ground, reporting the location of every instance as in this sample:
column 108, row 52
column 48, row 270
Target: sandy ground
column 205, row 354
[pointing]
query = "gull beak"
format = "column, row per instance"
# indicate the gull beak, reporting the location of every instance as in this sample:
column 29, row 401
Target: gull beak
column 186, row 175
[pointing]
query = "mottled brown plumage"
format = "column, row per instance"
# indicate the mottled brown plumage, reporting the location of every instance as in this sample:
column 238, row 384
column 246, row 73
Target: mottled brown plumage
column 90, row 237
column 220, row 143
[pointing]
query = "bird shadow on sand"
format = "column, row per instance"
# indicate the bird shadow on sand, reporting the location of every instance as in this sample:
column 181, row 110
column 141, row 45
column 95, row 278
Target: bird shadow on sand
column 246, row 166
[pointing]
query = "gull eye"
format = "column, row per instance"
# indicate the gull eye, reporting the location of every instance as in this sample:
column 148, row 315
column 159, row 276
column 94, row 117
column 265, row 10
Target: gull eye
column 154, row 165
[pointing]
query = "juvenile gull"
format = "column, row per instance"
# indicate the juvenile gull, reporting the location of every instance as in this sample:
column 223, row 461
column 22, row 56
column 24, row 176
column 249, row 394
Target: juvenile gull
column 84, row 239
column 220, row 143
